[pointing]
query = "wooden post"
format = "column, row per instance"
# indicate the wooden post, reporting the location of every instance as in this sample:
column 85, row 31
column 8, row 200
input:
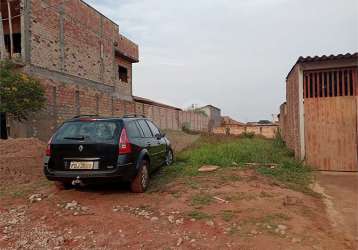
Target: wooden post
column 2, row 41
column 10, row 29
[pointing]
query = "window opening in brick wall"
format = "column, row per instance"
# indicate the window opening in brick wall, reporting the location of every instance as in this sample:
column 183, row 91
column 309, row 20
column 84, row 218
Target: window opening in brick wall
column 328, row 83
column 311, row 86
column 340, row 85
column 16, row 37
column 325, row 84
column 122, row 73
column 346, row 86
column 351, row 86
column 316, row 85
column 306, row 93
column 320, row 85
column 335, row 84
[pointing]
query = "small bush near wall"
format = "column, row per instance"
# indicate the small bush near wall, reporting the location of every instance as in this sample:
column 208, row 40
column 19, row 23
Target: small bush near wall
column 249, row 135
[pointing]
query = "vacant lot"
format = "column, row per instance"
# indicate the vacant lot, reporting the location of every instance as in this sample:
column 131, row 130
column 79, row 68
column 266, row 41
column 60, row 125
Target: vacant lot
column 239, row 206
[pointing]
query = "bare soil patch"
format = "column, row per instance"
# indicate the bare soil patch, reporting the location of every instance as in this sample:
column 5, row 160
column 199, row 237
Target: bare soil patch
column 230, row 208
column 339, row 192
column 19, row 161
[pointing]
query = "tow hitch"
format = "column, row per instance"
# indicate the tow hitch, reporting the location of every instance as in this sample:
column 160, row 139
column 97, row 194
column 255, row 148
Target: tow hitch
column 77, row 182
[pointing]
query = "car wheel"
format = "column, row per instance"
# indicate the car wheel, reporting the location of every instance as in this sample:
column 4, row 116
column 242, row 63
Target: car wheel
column 63, row 185
column 169, row 158
column 141, row 181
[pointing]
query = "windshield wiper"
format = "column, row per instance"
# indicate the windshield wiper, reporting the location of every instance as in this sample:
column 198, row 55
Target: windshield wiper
column 80, row 138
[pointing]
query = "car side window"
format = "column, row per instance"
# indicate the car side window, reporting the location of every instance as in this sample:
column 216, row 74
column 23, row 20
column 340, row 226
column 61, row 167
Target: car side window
column 145, row 128
column 154, row 128
column 133, row 131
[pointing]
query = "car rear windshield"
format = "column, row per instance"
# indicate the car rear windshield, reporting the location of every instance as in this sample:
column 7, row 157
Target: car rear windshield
column 97, row 131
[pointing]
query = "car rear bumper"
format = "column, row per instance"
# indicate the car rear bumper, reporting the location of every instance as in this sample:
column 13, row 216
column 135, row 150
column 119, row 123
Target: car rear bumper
column 122, row 172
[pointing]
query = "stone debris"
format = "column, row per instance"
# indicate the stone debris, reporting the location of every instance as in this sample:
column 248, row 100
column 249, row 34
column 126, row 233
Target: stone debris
column 179, row 221
column 76, row 208
column 291, row 201
column 145, row 212
column 153, row 219
column 281, row 229
column 253, row 232
column 180, row 241
column 171, row 218
column 35, row 198
column 295, row 240
column 210, row 223
column 208, row 168
column 220, row 200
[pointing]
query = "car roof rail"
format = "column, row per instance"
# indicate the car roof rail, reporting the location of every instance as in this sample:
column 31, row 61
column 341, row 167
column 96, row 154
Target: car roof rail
column 80, row 116
column 134, row 116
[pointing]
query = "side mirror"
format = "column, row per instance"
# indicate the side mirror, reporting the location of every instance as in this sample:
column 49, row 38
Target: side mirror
column 158, row 136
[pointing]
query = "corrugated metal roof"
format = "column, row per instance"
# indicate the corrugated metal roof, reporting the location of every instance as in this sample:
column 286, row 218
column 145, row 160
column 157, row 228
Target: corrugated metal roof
column 327, row 58
column 323, row 58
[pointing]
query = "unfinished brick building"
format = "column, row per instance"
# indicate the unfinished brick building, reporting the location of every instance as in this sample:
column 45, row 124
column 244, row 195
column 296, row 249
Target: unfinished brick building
column 79, row 56
column 319, row 120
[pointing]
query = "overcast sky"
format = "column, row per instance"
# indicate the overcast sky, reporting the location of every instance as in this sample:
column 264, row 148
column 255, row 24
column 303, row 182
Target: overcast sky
column 234, row 54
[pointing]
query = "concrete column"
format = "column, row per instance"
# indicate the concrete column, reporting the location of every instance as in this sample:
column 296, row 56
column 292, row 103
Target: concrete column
column 101, row 77
column 62, row 37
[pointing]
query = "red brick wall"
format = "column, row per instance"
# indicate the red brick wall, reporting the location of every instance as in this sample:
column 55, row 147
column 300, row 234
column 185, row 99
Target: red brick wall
column 63, row 103
column 291, row 129
column 283, row 120
column 266, row 131
column 88, row 46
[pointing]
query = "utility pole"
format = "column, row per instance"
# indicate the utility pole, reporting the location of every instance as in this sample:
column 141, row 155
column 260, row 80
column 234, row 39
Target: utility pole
column 10, row 28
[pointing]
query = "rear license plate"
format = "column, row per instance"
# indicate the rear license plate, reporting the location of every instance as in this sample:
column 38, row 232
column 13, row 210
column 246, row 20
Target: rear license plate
column 83, row 165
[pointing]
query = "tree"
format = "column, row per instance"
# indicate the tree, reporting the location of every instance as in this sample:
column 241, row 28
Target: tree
column 20, row 95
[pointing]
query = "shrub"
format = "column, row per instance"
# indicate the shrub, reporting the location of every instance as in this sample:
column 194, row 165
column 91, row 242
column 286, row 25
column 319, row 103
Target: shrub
column 249, row 135
column 20, row 94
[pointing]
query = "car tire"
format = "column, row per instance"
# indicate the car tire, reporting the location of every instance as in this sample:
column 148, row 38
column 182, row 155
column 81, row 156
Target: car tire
column 141, row 181
column 63, row 185
column 169, row 157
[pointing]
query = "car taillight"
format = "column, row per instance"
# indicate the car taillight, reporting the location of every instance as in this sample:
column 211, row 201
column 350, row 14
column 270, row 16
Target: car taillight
column 124, row 145
column 48, row 148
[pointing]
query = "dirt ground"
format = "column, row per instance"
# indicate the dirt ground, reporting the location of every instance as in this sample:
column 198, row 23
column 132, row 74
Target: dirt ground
column 226, row 209
column 340, row 192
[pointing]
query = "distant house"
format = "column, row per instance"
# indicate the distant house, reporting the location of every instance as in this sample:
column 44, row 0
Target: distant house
column 230, row 126
column 227, row 121
column 214, row 115
column 319, row 120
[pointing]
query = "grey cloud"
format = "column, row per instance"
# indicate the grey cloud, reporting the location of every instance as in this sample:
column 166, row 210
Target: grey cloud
column 233, row 54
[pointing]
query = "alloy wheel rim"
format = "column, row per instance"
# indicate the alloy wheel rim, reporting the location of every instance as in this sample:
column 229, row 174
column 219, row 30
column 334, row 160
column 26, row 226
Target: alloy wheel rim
column 169, row 158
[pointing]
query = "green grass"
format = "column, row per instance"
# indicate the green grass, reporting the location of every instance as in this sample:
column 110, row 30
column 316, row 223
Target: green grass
column 231, row 152
column 201, row 200
column 227, row 215
column 24, row 190
column 198, row 215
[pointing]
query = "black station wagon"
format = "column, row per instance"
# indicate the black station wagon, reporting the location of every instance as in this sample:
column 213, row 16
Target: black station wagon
column 90, row 149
